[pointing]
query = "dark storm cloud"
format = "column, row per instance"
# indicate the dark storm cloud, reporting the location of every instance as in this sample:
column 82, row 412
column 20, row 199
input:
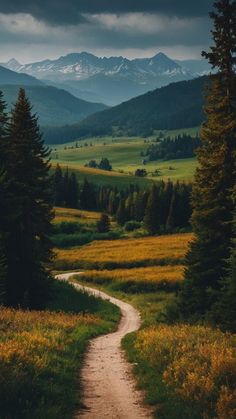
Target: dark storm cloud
column 66, row 12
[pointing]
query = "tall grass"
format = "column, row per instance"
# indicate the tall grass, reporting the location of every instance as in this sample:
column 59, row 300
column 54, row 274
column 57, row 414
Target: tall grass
column 188, row 371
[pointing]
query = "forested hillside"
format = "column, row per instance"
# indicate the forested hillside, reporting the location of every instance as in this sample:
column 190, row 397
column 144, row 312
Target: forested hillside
column 53, row 106
column 178, row 105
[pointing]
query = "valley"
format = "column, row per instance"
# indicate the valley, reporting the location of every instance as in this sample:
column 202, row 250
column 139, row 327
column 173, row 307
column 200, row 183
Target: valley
column 117, row 209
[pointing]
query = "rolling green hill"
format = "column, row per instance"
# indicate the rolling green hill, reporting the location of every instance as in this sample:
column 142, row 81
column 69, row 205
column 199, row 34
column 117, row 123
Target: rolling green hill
column 176, row 106
column 124, row 154
column 54, row 106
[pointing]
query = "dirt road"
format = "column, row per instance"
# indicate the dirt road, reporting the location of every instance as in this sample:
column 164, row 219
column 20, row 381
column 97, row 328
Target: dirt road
column 108, row 386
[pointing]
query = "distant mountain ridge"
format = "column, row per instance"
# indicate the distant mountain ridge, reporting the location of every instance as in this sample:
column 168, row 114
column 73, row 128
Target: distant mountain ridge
column 109, row 80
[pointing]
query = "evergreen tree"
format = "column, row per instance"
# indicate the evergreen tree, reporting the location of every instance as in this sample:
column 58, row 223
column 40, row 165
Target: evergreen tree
column 3, row 273
column 103, row 225
column 224, row 310
column 73, row 192
column 151, row 218
column 26, row 243
column 87, row 196
column 121, row 216
column 5, row 201
column 215, row 177
column 58, row 186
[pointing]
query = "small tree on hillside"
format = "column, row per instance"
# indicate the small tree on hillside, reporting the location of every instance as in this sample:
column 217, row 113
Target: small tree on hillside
column 105, row 164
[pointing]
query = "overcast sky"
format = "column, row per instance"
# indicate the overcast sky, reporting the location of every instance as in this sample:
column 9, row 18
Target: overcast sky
column 32, row 30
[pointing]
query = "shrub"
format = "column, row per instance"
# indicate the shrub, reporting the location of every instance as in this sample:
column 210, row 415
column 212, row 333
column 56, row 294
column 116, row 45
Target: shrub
column 132, row 225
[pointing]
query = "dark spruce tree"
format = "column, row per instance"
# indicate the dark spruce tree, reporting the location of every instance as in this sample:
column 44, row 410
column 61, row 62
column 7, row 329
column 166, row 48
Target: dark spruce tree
column 103, row 225
column 5, row 200
column 58, row 187
column 224, row 310
column 27, row 246
column 151, row 217
column 215, row 177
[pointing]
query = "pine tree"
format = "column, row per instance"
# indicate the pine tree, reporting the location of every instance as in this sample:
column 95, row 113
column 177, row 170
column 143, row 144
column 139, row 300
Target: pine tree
column 3, row 273
column 58, row 186
column 103, row 225
column 215, row 177
column 5, row 201
column 27, row 247
column 73, row 192
column 121, row 216
column 224, row 310
column 151, row 218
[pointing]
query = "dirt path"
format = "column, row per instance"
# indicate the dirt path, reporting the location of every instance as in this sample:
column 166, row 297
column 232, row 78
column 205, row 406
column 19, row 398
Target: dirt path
column 108, row 386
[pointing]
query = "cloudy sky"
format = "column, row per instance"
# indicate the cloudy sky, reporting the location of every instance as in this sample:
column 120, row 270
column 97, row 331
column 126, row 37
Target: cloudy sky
column 32, row 30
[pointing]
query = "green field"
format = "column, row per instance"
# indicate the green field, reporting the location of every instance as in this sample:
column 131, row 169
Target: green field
column 125, row 157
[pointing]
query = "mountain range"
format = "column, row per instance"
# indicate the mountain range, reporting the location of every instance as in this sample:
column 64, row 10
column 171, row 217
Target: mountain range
column 110, row 80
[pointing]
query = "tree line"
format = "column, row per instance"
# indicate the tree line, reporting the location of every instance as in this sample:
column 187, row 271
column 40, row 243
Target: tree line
column 165, row 207
column 25, row 208
column 181, row 147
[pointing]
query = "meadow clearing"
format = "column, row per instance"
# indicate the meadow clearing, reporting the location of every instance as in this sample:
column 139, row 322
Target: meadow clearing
column 144, row 279
column 124, row 154
column 74, row 215
column 125, row 253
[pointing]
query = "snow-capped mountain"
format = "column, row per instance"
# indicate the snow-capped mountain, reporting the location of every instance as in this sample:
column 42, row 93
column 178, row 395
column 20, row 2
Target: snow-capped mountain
column 83, row 65
column 108, row 80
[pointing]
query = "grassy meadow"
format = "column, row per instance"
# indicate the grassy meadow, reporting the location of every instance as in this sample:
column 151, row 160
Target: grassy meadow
column 125, row 253
column 124, row 154
column 41, row 353
column 70, row 215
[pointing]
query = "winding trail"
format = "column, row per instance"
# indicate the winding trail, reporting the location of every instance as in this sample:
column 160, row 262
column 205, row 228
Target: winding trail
column 108, row 386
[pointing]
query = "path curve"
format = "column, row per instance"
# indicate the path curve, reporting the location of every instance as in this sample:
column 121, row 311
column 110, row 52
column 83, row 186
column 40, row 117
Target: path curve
column 108, row 386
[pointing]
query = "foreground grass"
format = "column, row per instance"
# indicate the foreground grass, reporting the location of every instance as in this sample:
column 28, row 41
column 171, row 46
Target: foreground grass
column 41, row 353
column 187, row 371
column 114, row 254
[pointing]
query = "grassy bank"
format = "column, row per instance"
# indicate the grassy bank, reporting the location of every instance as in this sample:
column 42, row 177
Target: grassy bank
column 41, row 353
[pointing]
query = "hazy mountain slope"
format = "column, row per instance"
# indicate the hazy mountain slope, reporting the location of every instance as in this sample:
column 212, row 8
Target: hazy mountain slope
column 54, row 106
column 11, row 77
column 178, row 105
